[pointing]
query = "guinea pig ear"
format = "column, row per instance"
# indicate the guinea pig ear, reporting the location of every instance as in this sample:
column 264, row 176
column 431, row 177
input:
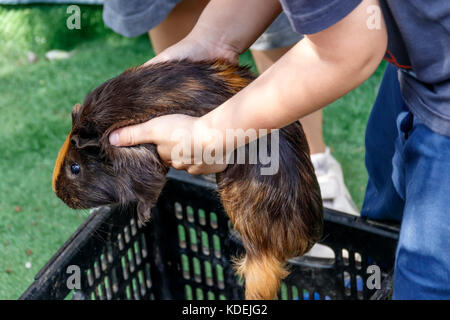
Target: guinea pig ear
column 75, row 112
column 82, row 142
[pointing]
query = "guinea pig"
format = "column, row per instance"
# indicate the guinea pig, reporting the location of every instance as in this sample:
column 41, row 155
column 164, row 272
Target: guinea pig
column 278, row 216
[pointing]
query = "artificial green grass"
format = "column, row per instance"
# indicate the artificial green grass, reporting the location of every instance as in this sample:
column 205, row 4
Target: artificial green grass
column 35, row 104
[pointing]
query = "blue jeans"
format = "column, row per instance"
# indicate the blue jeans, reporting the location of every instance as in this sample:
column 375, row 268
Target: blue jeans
column 409, row 182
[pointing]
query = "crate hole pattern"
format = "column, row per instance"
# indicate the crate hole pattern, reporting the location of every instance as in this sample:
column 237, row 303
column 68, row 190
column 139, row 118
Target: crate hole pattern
column 202, row 260
column 122, row 270
column 352, row 266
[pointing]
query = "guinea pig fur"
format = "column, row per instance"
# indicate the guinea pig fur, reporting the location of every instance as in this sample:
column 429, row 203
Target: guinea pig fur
column 278, row 216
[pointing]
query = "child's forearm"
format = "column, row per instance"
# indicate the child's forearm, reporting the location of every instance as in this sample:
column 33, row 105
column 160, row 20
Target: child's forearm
column 317, row 71
column 235, row 23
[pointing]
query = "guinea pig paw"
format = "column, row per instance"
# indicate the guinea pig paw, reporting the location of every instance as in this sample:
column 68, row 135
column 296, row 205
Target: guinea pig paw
column 143, row 210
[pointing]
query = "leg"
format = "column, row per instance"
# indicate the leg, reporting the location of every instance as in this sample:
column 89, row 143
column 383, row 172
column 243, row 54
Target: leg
column 381, row 200
column 421, row 176
column 177, row 25
column 408, row 182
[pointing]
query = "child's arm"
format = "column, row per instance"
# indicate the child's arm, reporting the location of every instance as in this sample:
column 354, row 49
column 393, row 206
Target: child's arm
column 225, row 29
column 317, row 71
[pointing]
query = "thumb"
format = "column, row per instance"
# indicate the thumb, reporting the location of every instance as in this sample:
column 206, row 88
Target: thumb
column 154, row 60
column 162, row 57
column 130, row 136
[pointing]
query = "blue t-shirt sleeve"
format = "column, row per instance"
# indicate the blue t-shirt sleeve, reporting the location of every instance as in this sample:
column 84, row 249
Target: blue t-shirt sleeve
column 311, row 16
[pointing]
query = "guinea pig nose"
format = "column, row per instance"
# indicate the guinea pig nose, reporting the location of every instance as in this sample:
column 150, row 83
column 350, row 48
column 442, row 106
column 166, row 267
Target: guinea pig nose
column 75, row 168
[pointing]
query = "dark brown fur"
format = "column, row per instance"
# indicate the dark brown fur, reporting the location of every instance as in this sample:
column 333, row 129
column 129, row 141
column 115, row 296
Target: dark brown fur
column 278, row 216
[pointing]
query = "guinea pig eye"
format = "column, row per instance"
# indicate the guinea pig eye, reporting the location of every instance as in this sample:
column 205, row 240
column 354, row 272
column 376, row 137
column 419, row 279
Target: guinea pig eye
column 75, row 168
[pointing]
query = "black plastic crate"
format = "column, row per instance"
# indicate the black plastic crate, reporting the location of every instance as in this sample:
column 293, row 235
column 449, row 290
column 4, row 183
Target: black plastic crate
column 185, row 251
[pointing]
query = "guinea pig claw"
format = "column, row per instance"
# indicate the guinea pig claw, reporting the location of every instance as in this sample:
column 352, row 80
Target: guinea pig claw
column 143, row 211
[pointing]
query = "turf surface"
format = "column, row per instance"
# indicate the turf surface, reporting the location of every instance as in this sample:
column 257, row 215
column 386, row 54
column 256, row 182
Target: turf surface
column 35, row 104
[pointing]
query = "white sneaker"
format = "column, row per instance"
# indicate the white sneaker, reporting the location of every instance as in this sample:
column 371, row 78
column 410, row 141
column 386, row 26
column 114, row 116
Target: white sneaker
column 334, row 194
column 331, row 181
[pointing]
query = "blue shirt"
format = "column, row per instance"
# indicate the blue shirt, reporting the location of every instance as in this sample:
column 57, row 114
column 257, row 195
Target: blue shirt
column 418, row 45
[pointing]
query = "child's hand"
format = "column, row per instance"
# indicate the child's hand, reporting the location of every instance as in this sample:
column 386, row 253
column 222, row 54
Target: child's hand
column 180, row 139
column 225, row 29
column 197, row 46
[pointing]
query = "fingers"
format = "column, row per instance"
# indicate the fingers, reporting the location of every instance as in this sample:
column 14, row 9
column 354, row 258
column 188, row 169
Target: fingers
column 159, row 58
column 160, row 131
column 170, row 53
column 151, row 131
column 132, row 135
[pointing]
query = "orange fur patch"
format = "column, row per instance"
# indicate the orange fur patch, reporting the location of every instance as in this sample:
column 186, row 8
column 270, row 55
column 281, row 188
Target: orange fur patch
column 59, row 161
column 229, row 73
column 262, row 274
